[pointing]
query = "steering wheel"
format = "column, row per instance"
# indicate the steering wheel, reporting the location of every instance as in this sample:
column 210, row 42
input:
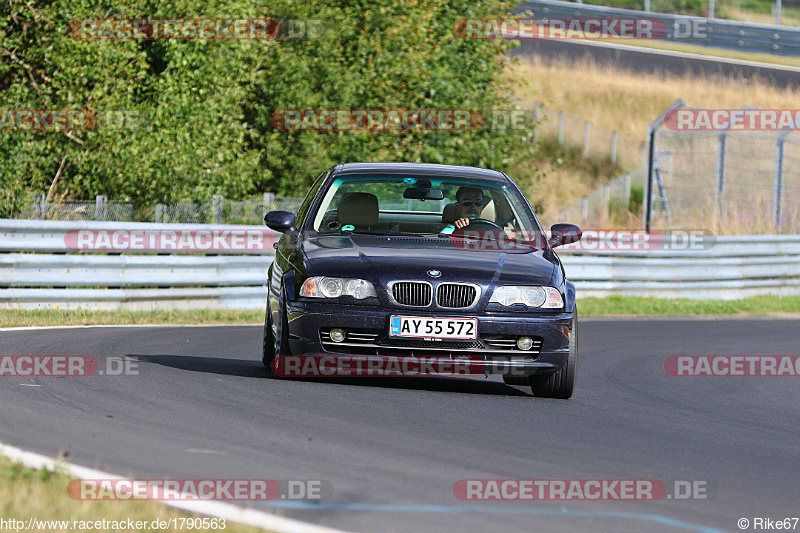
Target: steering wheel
column 481, row 223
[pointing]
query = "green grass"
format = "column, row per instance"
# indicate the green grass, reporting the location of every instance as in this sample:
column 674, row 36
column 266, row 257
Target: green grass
column 42, row 494
column 610, row 306
column 634, row 306
column 63, row 317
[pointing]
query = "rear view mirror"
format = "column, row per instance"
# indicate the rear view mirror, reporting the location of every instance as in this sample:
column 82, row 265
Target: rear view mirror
column 420, row 193
column 563, row 234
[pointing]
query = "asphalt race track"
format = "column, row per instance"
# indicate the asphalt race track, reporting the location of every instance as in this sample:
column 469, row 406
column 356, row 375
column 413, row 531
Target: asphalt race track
column 202, row 406
column 648, row 61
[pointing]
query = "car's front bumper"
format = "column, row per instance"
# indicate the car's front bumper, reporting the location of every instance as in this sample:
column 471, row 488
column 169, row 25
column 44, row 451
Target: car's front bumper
column 493, row 350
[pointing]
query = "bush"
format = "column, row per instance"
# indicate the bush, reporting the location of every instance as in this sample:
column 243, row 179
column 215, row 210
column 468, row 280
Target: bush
column 208, row 103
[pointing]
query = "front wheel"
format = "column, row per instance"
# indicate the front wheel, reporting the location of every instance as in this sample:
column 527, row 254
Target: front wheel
column 268, row 350
column 561, row 384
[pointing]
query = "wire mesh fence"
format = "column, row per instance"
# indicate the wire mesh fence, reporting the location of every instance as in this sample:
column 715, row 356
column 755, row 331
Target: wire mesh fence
column 618, row 204
column 731, row 182
column 219, row 210
column 592, row 140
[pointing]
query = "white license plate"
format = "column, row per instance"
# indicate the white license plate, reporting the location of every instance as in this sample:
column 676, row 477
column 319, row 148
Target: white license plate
column 434, row 328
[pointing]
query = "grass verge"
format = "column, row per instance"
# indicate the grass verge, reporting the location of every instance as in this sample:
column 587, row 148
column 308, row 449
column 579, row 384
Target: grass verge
column 628, row 102
column 635, row 306
column 610, row 306
column 27, row 493
column 62, row 317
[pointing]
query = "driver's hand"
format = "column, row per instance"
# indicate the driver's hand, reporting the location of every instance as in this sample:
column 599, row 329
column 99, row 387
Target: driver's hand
column 462, row 223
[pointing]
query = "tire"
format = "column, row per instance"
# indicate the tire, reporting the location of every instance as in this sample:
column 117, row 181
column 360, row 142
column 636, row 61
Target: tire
column 561, row 384
column 270, row 347
column 268, row 350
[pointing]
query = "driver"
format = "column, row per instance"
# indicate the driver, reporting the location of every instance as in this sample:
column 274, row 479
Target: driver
column 470, row 201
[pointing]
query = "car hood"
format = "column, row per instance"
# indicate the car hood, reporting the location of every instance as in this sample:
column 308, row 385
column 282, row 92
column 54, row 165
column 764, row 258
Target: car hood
column 382, row 259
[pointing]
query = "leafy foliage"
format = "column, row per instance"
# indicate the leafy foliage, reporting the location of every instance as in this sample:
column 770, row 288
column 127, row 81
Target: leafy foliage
column 206, row 104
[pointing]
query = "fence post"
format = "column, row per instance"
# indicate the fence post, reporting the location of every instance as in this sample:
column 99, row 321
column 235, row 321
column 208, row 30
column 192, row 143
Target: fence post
column 39, row 207
column 160, row 214
column 584, row 209
column 100, row 204
column 778, row 12
column 648, row 179
column 627, row 193
column 777, row 196
column 606, row 202
column 586, row 127
column 561, row 128
column 614, row 148
column 216, row 207
column 537, row 115
column 647, row 5
column 269, row 201
column 720, row 185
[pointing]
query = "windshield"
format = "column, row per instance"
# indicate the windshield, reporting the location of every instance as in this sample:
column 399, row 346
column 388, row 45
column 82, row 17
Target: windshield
column 417, row 205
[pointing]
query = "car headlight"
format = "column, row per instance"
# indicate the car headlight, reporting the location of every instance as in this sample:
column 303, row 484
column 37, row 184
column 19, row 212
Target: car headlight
column 326, row 287
column 542, row 297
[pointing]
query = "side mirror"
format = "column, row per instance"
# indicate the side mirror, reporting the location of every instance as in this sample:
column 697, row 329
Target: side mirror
column 563, row 234
column 280, row 221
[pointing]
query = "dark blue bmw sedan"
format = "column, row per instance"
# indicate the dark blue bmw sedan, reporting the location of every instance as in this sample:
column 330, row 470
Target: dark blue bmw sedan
column 422, row 260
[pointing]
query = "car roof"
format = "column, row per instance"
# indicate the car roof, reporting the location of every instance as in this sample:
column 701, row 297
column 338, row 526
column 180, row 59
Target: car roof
column 426, row 169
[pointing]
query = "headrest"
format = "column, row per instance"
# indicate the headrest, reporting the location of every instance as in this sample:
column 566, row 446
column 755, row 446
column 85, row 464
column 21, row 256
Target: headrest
column 358, row 209
column 449, row 213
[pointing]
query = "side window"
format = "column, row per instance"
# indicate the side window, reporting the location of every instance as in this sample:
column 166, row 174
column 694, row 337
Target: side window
column 309, row 199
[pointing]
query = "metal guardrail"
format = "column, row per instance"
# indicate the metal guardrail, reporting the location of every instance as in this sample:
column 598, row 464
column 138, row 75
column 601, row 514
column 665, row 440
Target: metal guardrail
column 734, row 35
column 50, row 236
column 730, row 268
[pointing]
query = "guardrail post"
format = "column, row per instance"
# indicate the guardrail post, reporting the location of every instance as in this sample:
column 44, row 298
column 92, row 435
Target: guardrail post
column 777, row 196
column 561, row 128
column 537, row 115
column 647, row 5
column 722, row 145
column 778, row 12
column 586, row 127
column 216, row 207
column 711, row 9
column 614, row 147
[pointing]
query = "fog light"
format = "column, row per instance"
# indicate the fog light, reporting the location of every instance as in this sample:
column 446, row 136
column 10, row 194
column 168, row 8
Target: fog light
column 524, row 343
column 337, row 335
